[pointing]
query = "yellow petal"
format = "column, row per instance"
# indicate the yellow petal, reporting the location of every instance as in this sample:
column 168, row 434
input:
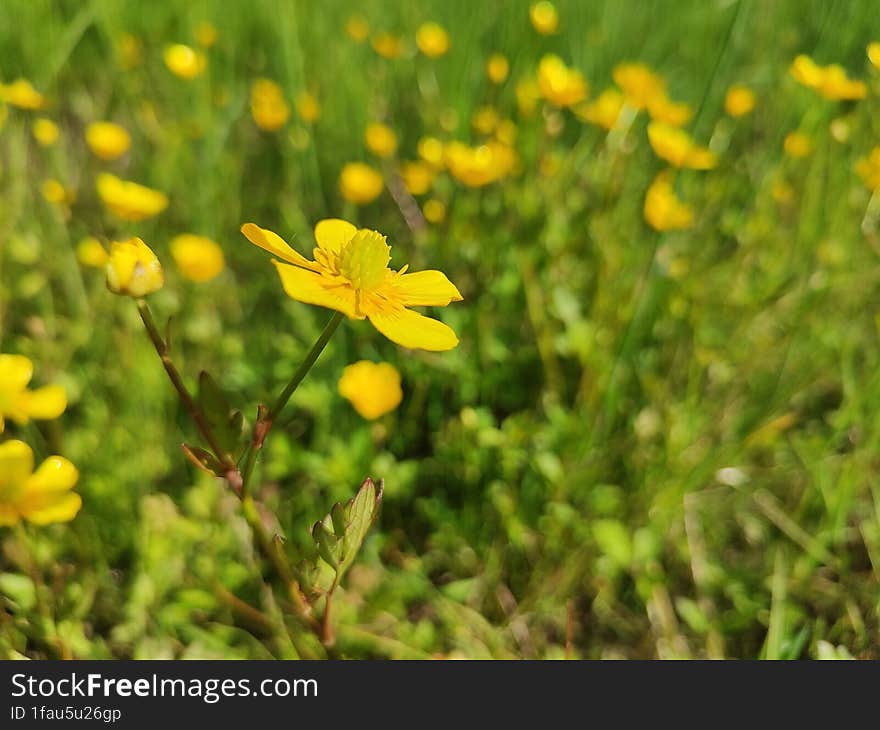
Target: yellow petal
column 55, row 474
column 16, row 463
column 306, row 286
column 44, row 403
column 333, row 233
column 426, row 289
column 15, row 372
column 413, row 330
column 274, row 244
column 49, row 507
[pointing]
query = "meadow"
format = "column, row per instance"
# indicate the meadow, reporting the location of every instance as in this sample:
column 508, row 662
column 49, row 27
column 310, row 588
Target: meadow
column 646, row 427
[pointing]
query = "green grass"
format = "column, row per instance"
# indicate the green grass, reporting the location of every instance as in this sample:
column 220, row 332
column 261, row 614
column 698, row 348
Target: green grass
column 555, row 484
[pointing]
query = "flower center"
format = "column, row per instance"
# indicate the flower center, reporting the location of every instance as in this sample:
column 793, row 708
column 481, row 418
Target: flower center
column 364, row 260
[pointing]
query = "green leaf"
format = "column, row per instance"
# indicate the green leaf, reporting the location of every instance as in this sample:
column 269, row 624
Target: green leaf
column 225, row 423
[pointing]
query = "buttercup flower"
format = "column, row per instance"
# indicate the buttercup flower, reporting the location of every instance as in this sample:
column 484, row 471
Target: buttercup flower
column 676, row 147
column 198, row 257
column 380, row 139
column 430, row 149
column 831, row 81
column 21, row 93
column 45, row 131
column 357, row 28
column 544, row 17
column 874, row 53
column 350, row 274
column 41, row 497
column 432, row 40
column 868, row 168
column 528, row 94
column 90, row 252
column 183, row 61
column 604, row 111
column 133, row 269
column 417, row 177
column 506, row 131
column 129, row 200
column 206, row 34
column 20, row 404
column 559, row 84
column 54, row 192
column 388, row 45
column 485, row 120
column 797, row 144
column 479, row 166
column 663, row 210
column 739, row 101
column 434, row 211
column 372, row 388
column 307, row 107
column 640, row 85
column 268, row 107
column 107, row 140
column 663, row 109
column 360, row 183
column 497, row 68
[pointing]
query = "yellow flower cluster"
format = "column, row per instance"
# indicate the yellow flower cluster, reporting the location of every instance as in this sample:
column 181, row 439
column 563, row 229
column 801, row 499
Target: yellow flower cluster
column 831, row 81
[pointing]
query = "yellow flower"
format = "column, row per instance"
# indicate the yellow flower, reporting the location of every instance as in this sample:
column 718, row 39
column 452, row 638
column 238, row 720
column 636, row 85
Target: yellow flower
column 360, row 183
column 840, row 130
column 485, row 120
column 497, row 68
column 387, row 45
column 21, row 404
column 417, row 177
column 663, row 210
column 506, row 132
column 206, row 34
column 198, row 258
column 183, row 61
column 268, row 108
column 604, row 111
column 350, row 274
column 544, row 17
column 528, row 94
column 559, row 84
column 430, row 149
column 41, row 497
column 90, row 252
column 54, row 192
column 307, row 107
column 831, row 81
column 45, row 131
column 133, row 269
column 372, row 388
column 640, row 85
column 22, row 94
column 663, row 109
column 739, row 101
column 479, row 166
column 432, row 40
column 107, row 140
column 380, row 139
column 357, row 28
column 797, row 144
column 434, row 211
column 129, row 200
column 874, row 53
column 868, row 168
column 676, row 147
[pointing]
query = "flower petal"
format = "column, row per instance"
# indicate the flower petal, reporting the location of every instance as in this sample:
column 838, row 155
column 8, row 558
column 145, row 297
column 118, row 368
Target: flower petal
column 55, row 474
column 306, row 286
column 333, row 233
column 426, row 289
column 44, row 403
column 15, row 372
column 274, row 244
column 43, row 509
column 16, row 463
column 414, row 330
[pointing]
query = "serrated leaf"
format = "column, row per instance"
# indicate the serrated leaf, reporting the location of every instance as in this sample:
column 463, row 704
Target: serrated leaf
column 204, row 460
column 327, row 544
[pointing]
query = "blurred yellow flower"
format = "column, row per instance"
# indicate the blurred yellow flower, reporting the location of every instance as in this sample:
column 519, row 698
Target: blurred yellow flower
column 307, row 107
column 90, row 252
column 544, row 17
column 676, row 147
column 359, row 183
column 129, row 200
column 874, row 53
column 434, row 211
column 479, row 166
column 372, row 388
column 506, row 132
column 184, row 61
column 739, row 101
column 604, row 111
column 640, row 85
column 417, row 177
column 198, row 258
column 485, row 120
column 54, row 192
column 45, row 131
column 21, row 93
column 797, row 144
column 430, row 149
column 357, row 28
column 268, row 107
column 868, row 168
column 528, row 94
column 206, row 34
column 350, row 274
column 130, row 50
column 41, row 497
column 20, row 404
column 663, row 210
column 559, row 84
column 107, row 140
column 840, row 130
column 831, row 81
column 497, row 68
column 663, row 109
column 380, row 139
column 432, row 40
column 388, row 45
column 133, row 269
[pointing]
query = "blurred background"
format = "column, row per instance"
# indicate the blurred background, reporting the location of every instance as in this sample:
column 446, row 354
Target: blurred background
column 658, row 435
